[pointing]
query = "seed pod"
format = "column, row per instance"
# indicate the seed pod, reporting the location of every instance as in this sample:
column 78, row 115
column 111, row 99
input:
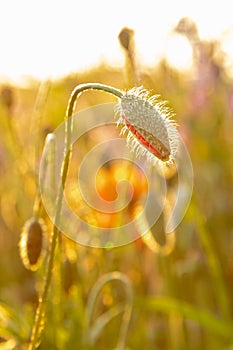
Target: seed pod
column 31, row 243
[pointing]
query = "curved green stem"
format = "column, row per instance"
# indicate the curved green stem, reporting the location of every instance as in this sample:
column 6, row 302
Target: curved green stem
column 39, row 321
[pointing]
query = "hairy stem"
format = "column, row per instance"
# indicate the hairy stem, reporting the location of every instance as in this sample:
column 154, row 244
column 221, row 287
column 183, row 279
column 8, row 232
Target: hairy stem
column 39, row 318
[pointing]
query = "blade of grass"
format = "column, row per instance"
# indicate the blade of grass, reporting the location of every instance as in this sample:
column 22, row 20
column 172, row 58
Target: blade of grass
column 204, row 318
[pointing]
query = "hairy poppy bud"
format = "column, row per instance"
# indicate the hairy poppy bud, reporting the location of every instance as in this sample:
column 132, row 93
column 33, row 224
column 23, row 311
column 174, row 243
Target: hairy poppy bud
column 148, row 124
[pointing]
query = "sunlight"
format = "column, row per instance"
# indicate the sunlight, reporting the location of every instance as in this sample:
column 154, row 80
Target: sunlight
column 116, row 225
column 48, row 40
column 178, row 53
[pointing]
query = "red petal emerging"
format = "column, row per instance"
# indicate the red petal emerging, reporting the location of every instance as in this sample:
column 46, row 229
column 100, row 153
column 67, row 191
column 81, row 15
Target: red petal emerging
column 149, row 141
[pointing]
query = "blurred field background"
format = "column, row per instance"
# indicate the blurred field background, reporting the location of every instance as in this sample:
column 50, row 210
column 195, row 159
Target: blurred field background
column 182, row 300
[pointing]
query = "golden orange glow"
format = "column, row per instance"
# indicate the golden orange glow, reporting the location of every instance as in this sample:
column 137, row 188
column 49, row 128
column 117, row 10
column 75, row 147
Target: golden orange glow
column 51, row 39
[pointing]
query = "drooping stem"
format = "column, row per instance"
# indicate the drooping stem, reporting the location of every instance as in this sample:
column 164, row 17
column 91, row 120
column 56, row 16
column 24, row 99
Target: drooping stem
column 39, row 318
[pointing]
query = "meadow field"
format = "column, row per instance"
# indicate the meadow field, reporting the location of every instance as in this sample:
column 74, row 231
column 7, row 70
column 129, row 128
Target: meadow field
column 175, row 296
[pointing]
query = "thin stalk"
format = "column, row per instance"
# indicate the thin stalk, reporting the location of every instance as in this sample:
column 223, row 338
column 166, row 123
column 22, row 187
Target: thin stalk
column 39, row 318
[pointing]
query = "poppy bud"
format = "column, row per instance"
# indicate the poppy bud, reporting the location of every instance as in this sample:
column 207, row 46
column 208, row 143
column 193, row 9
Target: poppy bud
column 31, row 243
column 7, row 97
column 148, row 125
column 125, row 37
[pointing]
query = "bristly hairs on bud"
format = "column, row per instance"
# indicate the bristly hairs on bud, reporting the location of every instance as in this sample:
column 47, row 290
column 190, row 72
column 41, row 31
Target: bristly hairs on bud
column 149, row 126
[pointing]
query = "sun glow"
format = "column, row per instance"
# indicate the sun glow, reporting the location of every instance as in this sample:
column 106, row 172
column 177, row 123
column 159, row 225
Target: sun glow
column 49, row 39
column 178, row 53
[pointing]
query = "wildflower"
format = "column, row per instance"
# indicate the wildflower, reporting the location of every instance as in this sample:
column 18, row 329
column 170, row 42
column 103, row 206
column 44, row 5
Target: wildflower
column 149, row 127
column 31, row 243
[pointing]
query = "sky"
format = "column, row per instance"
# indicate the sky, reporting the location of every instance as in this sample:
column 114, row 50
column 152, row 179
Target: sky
column 49, row 39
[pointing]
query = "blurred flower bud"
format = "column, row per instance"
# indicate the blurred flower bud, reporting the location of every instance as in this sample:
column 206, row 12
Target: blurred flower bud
column 7, row 97
column 125, row 37
column 31, row 243
column 69, row 274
